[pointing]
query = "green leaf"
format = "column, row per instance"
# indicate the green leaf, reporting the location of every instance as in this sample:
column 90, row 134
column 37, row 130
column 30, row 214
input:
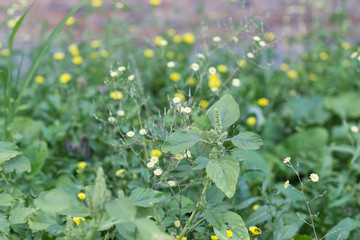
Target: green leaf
column 20, row 215
column 4, row 224
column 5, row 199
column 214, row 217
column 41, row 220
column 345, row 105
column 122, row 209
column 6, row 155
column 224, row 172
column 345, row 227
column 145, row 197
column 36, row 153
column 247, row 141
column 234, row 223
column 228, row 110
column 178, row 142
column 149, row 230
column 201, row 163
column 20, row 164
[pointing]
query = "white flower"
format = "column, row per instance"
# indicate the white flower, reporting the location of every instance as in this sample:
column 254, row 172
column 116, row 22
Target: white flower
column 314, row 177
column 214, row 89
column 236, row 82
column 256, row 38
column 121, row 68
column 163, row 43
column 170, row 64
column 358, row 58
column 154, row 159
column 142, row 131
column 188, row 154
column 176, row 100
column 216, row 39
column 113, row 73
column 286, row 184
column 131, row 77
column 200, row 55
column 262, row 44
column 171, row 183
column 354, row 129
column 150, row 164
column 177, row 223
column 195, row 67
column 212, row 70
column 120, row 113
column 250, row 55
column 354, row 55
column 158, row 172
column 179, row 156
column 130, row 134
column 235, row 39
column 112, row 119
column 186, row 110
column 287, row 160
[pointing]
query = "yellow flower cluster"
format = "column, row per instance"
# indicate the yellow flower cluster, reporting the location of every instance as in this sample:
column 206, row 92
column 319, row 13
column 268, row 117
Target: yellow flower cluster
column 214, row 81
column 116, row 95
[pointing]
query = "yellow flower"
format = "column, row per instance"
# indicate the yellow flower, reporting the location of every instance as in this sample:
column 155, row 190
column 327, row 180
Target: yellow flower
column 104, row 53
column 255, row 230
column 154, row 2
column 11, row 23
column 77, row 60
column 65, row 78
column 269, row 36
column 324, row 56
column 116, row 95
column 229, row 233
column 170, row 55
column 346, row 45
column 255, row 207
column 70, row 21
column 177, row 39
column 312, row 77
column 214, row 237
column 81, row 196
column 81, row 165
column 179, row 95
column 214, row 80
column 189, row 38
column 39, row 79
column 96, row 3
column 284, row 67
column 155, row 152
column 242, row 63
column 263, row 102
column 148, row 53
column 0, row 45
column 286, row 184
column 175, row 76
column 59, row 56
column 251, row 121
column 222, row 68
column 204, row 104
column 190, row 81
column 74, row 50
column 93, row 55
column 158, row 40
column 95, row 44
column 77, row 220
column 292, row 74
column 119, row 172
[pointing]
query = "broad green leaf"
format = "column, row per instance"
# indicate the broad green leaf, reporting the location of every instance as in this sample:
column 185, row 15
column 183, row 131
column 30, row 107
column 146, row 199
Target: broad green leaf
column 122, row 209
column 214, row 217
column 5, row 199
column 259, row 216
column 201, row 163
column 345, row 105
column 41, row 220
column 234, row 223
column 36, row 153
column 302, row 237
column 247, row 141
column 4, row 224
column 19, row 164
column 178, row 142
column 6, row 155
column 149, row 230
column 224, row 172
column 228, row 110
column 20, row 215
column 145, row 197
column 345, row 227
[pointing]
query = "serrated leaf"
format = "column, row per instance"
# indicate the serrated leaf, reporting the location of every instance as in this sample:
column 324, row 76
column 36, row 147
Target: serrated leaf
column 228, row 110
column 178, row 142
column 41, row 220
column 19, row 164
column 145, row 197
column 20, row 215
column 4, row 224
column 247, row 141
column 224, row 172
column 122, row 209
column 6, row 155
column 234, row 223
column 5, row 199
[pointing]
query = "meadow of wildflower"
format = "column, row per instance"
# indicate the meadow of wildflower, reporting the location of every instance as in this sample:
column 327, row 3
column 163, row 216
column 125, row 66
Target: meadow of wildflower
column 201, row 128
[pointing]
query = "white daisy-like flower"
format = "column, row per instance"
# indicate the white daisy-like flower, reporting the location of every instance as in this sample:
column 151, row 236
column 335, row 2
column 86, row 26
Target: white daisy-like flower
column 142, row 131
column 186, row 110
column 354, row 129
column 354, row 55
column 212, row 70
column 214, row 89
column 163, row 43
column 250, row 55
column 170, row 64
column 114, row 73
column 358, row 58
column 112, row 119
column 200, row 55
column 154, row 159
column 158, row 172
column 130, row 134
column 121, row 68
column 187, row 153
column 176, row 100
column 236, row 82
column 120, row 113
column 256, row 38
column 235, row 39
column 195, row 67
column 262, row 44
column 150, row 164
column 131, row 77
column 177, row 223
column 216, row 39
column 287, row 160
column 171, row 183
column 179, row 156
column 286, row 184
column 314, row 177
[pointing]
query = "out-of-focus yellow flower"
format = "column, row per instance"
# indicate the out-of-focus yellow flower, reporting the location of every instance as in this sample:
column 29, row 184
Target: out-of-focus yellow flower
column 65, row 78
column 5, row 52
column 177, row 39
column 104, row 53
column 155, row 152
column 120, row 172
column 155, row 2
column 59, row 56
column 269, row 36
column 158, row 40
column 77, row 220
column 170, row 55
column 116, row 95
column 214, row 237
column 214, row 80
column 81, row 196
column 251, row 121
column 96, row 3
column 345, row 45
column 242, row 63
column 11, row 23
column 74, row 50
column 81, row 165
column 39, row 79
column 255, row 207
column 204, row 104
column 0, row 45
column 93, row 55
column 171, row 32
column 222, row 68
column 95, row 44
column 190, row 81
column 70, row 21
column 188, row 38
column 324, row 56
column 284, row 67
column 148, row 53
column 175, row 76
column 255, row 230
column 263, row 102
column 179, row 95
column 77, row 60
column 292, row 74
column 312, row 77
